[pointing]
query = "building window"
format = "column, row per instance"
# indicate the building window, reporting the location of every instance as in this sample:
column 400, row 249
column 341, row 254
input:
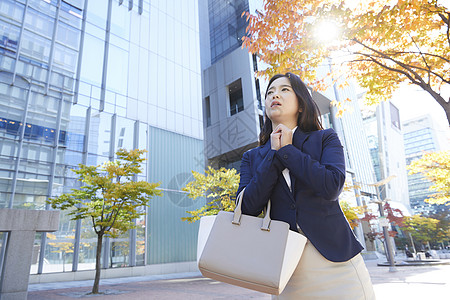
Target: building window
column 395, row 116
column 208, row 111
column 236, row 98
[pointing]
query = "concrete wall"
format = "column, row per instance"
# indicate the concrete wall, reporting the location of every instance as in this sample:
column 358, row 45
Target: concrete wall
column 227, row 133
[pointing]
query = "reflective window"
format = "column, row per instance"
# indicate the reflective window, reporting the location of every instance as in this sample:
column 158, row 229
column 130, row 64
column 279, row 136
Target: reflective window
column 88, row 246
column 12, row 107
column 117, row 79
column 124, row 134
column 68, row 36
column 96, row 13
column 34, row 152
column 60, row 246
column 92, row 61
column 120, row 21
column 140, row 240
column 236, row 98
column 5, row 189
column 48, row 7
column 35, row 47
column 208, row 111
column 3, row 240
column 39, row 22
column 120, row 251
column 75, row 128
column 65, row 58
column 70, row 14
column 9, row 37
column 12, row 10
column 226, row 26
column 99, row 134
column 35, row 254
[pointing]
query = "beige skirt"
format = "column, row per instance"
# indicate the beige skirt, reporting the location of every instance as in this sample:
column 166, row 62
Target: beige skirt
column 318, row 278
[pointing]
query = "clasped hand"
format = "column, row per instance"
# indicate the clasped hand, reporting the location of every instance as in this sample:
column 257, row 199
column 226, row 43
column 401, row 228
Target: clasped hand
column 280, row 137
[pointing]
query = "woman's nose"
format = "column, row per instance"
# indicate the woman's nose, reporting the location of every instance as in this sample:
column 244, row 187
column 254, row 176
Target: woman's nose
column 276, row 96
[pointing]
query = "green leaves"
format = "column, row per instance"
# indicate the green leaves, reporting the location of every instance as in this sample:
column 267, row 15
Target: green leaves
column 435, row 166
column 425, row 229
column 109, row 196
column 220, row 186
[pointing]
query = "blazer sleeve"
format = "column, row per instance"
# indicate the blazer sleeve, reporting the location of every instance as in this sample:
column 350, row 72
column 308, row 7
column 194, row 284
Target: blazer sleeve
column 258, row 186
column 325, row 177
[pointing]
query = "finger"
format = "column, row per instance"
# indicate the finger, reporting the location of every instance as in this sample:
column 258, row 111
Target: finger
column 278, row 128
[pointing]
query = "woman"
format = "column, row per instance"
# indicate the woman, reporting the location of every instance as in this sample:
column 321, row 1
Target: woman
column 301, row 168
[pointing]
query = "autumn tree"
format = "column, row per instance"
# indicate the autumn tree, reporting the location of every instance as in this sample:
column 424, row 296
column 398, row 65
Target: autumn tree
column 424, row 229
column 381, row 44
column 351, row 213
column 219, row 187
column 109, row 198
column 435, row 166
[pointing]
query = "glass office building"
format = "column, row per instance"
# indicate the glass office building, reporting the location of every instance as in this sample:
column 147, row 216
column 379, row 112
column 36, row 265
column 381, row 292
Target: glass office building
column 420, row 136
column 80, row 79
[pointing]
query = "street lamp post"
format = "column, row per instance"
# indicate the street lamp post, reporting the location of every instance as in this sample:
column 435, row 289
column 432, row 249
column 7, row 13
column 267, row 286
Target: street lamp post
column 390, row 253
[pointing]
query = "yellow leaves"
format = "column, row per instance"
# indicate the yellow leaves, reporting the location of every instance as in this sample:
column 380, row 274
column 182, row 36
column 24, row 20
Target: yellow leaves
column 109, row 197
column 220, row 185
column 388, row 42
column 435, row 166
column 351, row 213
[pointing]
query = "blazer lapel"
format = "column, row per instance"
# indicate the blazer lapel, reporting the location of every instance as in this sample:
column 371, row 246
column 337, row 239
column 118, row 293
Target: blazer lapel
column 264, row 149
column 298, row 140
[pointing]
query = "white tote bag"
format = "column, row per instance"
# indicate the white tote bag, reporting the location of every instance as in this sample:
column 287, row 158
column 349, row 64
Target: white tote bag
column 251, row 252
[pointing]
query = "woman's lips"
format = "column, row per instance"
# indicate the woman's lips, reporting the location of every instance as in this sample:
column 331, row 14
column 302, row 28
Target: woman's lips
column 275, row 103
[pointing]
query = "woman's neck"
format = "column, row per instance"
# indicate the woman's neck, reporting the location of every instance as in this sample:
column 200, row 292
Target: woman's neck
column 290, row 125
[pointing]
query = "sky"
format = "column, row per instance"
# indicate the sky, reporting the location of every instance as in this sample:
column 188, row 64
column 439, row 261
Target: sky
column 414, row 102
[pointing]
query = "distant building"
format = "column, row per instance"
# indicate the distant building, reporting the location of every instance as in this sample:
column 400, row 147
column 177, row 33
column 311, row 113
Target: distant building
column 421, row 135
column 383, row 130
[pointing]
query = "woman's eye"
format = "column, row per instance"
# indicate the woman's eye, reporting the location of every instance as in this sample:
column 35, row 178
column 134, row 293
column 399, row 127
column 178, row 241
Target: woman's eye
column 285, row 89
column 270, row 92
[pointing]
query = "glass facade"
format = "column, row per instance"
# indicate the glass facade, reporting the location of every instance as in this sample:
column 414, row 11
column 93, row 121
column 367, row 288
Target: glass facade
column 418, row 139
column 80, row 79
column 227, row 27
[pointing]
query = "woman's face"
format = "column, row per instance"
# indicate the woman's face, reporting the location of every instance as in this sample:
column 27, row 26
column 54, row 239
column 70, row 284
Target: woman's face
column 281, row 102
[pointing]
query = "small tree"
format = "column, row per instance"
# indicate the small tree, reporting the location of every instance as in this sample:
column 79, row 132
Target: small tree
column 435, row 166
column 220, row 186
column 423, row 229
column 109, row 198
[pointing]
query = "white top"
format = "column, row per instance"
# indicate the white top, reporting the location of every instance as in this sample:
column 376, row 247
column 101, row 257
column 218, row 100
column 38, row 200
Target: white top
column 286, row 171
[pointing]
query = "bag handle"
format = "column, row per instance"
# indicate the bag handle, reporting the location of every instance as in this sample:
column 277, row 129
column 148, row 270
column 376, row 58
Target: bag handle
column 238, row 212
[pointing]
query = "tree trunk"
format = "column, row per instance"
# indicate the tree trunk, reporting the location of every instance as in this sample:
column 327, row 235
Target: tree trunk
column 440, row 100
column 447, row 112
column 98, row 257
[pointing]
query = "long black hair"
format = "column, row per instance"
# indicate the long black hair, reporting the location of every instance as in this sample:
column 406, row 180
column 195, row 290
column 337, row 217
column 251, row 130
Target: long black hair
column 308, row 119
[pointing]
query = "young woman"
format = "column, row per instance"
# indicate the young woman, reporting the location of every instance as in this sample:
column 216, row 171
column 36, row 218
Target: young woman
column 301, row 168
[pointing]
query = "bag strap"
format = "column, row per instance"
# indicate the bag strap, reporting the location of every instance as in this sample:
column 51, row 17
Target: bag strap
column 238, row 212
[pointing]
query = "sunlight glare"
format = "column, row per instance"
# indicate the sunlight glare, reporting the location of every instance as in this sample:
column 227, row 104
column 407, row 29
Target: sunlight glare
column 327, row 32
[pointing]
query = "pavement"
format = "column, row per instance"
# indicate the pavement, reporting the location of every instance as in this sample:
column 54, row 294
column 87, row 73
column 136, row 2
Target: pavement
column 408, row 282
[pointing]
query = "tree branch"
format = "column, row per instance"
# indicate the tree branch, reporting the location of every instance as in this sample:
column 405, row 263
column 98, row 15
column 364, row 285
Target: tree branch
column 93, row 225
column 371, row 58
column 406, row 66
column 383, row 55
column 446, row 21
column 423, row 57
column 423, row 53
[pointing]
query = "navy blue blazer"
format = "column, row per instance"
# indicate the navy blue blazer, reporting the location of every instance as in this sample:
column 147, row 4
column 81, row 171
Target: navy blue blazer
column 317, row 169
